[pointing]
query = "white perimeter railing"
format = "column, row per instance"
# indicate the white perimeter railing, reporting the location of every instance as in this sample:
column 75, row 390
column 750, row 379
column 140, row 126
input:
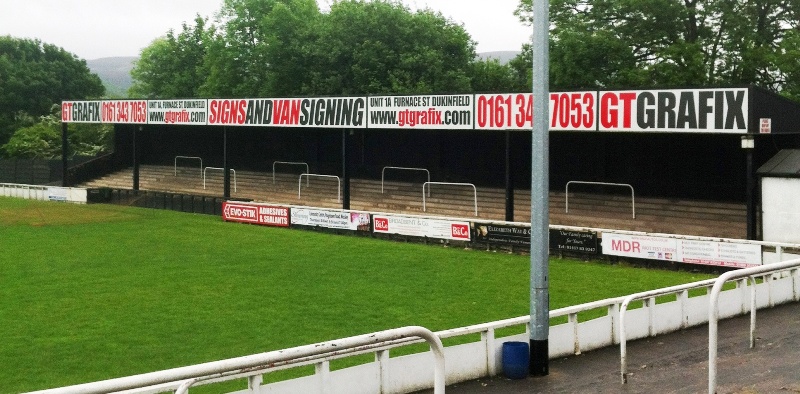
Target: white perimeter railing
column 44, row 193
column 566, row 193
column 236, row 367
column 338, row 187
column 219, row 169
column 427, row 184
column 383, row 173
column 764, row 271
column 292, row 163
column 187, row 158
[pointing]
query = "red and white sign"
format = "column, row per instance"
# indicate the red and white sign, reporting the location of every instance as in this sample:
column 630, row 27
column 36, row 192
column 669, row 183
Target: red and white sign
column 183, row 112
column 266, row 215
column 80, row 111
column 328, row 112
column 123, row 111
column 723, row 254
column 452, row 112
column 504, row 111
column 682, row 110
column 765, row 125
column 421, row 227
column 573, row 111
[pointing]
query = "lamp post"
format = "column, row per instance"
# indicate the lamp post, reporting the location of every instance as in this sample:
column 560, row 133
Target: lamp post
column 749, row 144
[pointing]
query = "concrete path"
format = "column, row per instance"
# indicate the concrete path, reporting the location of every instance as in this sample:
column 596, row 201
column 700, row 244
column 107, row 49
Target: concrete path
column 677, row 363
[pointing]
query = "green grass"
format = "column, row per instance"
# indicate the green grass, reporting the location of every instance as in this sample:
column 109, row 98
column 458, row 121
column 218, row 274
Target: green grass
column 94, row 292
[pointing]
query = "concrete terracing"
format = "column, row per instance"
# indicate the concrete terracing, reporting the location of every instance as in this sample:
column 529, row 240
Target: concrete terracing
column 659, row 215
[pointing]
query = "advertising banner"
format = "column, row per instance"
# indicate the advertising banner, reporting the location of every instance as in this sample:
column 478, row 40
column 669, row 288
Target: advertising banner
column 573, row 111
column 574, row 241
column 183, row 112
column 80, row 111
column 500, row 234
column 723, row 254
column 505, row 111
column 123, row 111
column 681, row 110
column 421, row 227
column 330, row 112
column 266, row 215
column 640, row 246
column 331, row 218
column 451, row 112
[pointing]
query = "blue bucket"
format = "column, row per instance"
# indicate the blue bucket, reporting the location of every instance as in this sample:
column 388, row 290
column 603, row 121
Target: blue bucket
column 516, row 360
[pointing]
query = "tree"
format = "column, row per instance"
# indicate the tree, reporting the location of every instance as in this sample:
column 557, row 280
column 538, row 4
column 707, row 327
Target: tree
column 621, row 43
column 173, row 66
column 34, row 76
column 380, row 47
column 490, row 76
column 259, row 50
column 41, row 139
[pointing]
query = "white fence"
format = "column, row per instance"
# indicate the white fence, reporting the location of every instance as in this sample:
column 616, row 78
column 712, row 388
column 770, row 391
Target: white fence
column 44, row 193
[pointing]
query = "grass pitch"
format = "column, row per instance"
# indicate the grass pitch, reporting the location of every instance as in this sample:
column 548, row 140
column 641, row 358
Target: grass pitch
column 90, row 292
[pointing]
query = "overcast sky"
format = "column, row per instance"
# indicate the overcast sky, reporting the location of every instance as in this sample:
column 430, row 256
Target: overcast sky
column 103, row 28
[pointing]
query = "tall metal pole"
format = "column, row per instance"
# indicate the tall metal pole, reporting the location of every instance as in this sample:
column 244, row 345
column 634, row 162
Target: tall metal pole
column 64, row 154
column 226, row 176
column 540, row 294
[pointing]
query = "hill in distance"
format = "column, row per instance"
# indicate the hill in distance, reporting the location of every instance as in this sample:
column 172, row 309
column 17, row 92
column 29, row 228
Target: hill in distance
column 503, row 56
column 115, row 72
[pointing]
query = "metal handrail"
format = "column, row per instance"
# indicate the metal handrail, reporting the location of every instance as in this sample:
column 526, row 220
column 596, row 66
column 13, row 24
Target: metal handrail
column 187, row 157
column 713, row 308
column 649, row 297
column 383, row 173
column 296, row 163
column 633, row 199
column 193, row 374
column 338, row 188
column 474, row 191
column 220, row 169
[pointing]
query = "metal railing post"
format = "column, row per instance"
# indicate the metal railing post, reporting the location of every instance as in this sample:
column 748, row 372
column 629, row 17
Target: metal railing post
column 633, row 198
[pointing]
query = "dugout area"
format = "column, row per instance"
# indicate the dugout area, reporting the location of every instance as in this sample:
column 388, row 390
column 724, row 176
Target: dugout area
column 716, row 165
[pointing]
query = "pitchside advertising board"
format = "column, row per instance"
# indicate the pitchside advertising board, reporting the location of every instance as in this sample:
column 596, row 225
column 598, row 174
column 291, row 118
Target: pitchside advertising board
column 331, row 218
column 677, row 110
column 722, row 254
column 263, row 214
column 421, row 227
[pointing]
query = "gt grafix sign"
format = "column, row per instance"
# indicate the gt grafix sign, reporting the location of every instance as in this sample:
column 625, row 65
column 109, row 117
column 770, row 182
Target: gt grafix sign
column 183, row 112
column 679, row 110
column 80, row 111
column 684, row 110
column 421, row 112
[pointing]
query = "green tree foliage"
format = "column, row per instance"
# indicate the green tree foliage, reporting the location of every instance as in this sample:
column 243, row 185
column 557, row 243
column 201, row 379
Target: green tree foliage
column 173, row 66
column 381, row 47
column 259, row 49
column 280, row 48
column 41, row 138
column 491, row 76
column 620, row 43
column 34, row 76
